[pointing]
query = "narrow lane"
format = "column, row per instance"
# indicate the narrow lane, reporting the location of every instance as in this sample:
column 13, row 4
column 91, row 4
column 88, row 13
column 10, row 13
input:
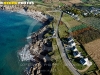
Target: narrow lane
column 62, row 51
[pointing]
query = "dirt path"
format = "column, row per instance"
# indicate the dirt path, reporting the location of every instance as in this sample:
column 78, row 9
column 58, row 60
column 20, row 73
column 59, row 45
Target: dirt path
column 84, row 69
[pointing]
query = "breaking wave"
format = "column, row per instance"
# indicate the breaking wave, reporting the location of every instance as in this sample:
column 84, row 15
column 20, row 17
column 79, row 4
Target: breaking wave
column 25, row 54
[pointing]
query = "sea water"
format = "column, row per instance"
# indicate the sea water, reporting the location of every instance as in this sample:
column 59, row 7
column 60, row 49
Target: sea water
column 14, row 28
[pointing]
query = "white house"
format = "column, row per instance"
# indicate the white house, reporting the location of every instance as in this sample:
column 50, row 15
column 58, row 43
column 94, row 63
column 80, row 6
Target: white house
column 77, row 54
column 85, row 61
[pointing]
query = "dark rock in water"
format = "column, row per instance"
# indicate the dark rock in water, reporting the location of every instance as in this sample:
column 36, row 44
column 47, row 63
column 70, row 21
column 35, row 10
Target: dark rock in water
column 25, row 8
column 2, row 8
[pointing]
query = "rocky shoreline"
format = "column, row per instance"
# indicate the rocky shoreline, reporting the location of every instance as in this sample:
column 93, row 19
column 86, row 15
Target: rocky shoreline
column 22, row 9
column 39, row 47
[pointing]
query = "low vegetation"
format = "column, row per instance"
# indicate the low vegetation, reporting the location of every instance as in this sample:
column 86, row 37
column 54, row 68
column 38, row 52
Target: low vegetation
column 88, row 36
column 63, row 31
column 92, row 21
column 69, row 21
column 58, row 67
column 76, row 28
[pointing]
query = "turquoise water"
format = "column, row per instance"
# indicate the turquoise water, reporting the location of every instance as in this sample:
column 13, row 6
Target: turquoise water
column 14, row 29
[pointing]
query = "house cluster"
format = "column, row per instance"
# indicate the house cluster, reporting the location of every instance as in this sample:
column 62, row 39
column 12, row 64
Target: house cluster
column 75, row 16
column 40, row 48
column 72, row 46
column 85, row 11
column 93, row 10
column 88, row 10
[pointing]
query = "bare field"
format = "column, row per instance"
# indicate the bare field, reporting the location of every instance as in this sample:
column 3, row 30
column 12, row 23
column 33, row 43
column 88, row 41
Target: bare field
column 68, row 2
column 74, row 23
column 93, row 49
column 75, row 1
column 69, row 21
column 71, row 2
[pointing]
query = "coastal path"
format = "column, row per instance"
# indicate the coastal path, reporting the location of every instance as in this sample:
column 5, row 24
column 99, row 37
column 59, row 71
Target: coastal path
column 62, row 51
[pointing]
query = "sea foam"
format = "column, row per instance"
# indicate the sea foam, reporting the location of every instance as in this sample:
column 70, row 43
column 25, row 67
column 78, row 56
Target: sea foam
column 25, row 54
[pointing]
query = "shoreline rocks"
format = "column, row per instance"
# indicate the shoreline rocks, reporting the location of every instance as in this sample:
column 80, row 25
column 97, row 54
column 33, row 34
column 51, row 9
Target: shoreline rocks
column 39, row 16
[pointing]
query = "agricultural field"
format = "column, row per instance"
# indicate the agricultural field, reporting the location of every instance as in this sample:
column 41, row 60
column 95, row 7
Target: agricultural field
column 84, row 33
column 76, row 28
column 70, row 2
column 92, row 21
column 93, row 49
column 62, row 2
column 91, row 2
column 69, row 21
column 88, row 35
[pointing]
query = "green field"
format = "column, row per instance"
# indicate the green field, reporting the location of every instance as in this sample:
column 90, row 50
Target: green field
column 92, row 21
column 79, row 27
column 69, row 21
column 58, row 67
column 63, row 31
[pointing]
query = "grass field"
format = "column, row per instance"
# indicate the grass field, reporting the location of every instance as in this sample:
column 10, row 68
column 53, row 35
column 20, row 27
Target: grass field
column 58, row 67
column 63, row 31
column 92, row 21
column 55, row 14
column 62, row 27
column 76, row 28
column 69, row 21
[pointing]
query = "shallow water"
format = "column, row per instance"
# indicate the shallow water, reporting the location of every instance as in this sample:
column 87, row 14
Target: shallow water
column 14, row 29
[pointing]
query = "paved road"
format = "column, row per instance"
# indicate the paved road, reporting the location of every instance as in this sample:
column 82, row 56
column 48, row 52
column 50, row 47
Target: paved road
column 62, row 52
